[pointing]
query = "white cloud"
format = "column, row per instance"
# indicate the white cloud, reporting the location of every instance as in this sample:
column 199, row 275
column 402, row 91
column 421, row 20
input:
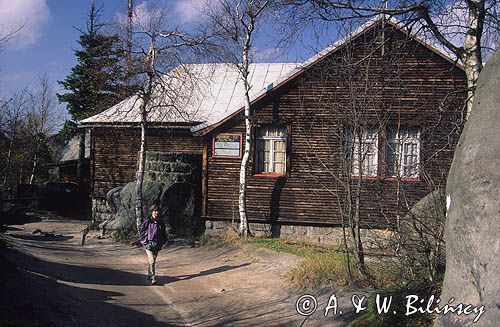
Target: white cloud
column 144, row 15
column 265, row 54
column 188, row 10
column 33, row 15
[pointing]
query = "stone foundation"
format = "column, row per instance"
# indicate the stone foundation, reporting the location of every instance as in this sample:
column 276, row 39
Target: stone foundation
column 327, row 236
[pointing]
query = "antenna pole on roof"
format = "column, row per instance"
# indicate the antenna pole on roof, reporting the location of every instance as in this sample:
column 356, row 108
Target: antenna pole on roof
column 384, row 9
column 128, row 41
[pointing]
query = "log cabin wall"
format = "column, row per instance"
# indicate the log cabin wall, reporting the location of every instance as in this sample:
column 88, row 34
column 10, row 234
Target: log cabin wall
column 115, row 152
column 388, row 80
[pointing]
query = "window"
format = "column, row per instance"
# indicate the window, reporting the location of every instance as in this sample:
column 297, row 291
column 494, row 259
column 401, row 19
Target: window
column 362, row 152
column 271, row 150
column 403, row 153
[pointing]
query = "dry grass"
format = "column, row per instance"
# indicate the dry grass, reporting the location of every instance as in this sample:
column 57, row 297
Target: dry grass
column 320, row 267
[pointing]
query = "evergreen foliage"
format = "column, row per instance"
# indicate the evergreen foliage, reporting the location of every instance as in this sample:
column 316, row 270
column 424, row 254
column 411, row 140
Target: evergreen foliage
column 97, row 82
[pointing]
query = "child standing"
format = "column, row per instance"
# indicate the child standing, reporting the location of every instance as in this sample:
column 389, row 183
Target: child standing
column 152, row 235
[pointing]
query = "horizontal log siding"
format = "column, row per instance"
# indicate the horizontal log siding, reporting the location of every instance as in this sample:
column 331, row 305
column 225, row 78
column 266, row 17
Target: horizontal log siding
column 419, row 89
column 115, row 151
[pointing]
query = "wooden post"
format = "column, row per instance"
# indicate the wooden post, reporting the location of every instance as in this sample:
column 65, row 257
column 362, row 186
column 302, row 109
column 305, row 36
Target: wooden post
column 204, row 181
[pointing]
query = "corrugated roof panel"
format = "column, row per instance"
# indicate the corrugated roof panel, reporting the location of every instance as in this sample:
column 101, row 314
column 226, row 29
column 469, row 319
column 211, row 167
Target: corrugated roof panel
column 200, row 92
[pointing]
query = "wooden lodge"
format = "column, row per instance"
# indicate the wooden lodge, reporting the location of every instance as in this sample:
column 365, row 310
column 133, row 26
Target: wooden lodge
column 378, row 114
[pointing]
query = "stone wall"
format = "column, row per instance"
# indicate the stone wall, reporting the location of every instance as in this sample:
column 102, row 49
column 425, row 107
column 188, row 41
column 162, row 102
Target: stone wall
column 327, row 236
column 170, row 168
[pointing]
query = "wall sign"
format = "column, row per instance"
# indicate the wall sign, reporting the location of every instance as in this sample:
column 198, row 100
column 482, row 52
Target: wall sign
column 227, row 145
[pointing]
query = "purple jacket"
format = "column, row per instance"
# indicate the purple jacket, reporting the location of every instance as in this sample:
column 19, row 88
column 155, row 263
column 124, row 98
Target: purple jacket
column 153, row 230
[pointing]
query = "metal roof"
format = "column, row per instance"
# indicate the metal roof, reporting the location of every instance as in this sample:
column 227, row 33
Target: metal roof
column 195, row 93
column 70, row 151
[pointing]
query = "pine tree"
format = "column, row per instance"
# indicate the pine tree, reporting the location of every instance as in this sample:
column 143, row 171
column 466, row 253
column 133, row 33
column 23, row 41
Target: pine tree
column 97, row 81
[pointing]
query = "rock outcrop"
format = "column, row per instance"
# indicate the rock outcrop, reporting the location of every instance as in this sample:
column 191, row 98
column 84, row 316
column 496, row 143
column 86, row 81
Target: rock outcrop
column 177, row 206
column 472, row 230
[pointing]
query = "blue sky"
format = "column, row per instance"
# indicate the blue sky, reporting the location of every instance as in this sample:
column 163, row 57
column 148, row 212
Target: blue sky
column 45, row 44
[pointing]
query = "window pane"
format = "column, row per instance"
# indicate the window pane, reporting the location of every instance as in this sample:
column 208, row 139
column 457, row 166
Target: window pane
column 267, row 155
column 279, row 156
column 279, row 168
column 402, row 152
column 364, row 152
column 279, row 146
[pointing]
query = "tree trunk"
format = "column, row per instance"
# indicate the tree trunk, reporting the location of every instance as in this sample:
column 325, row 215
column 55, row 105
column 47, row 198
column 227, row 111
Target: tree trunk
column 146, row 98
column 242, row 208
column 242, row 199
column 471, row 56
column 33, row 166
column 357, row 245
column 347, row 257
column 140, row 170
column 7, row 165
column 81, row 158
column 242, row 203
column 35, row 161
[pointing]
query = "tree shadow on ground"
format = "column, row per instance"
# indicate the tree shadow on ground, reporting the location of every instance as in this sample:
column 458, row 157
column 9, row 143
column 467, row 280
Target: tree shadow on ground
column 162, row 280
column 19, row 219
column 30, row 299
column 42, row 237
column 212, row 271
column 97, row 275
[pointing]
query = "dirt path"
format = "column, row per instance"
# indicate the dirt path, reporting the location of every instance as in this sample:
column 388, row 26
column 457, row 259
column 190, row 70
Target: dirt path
column 104, row 284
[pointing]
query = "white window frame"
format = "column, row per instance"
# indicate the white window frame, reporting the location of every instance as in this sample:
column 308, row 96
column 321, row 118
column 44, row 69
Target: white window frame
column 399, row 144
column 259, row 161
column 369, row 137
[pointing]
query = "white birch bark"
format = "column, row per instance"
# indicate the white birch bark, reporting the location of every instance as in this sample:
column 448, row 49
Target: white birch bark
column 252, row 11
column 140, row 170
column 242, row 208
column 145, row 97
column 471, row 56
column 33, row 166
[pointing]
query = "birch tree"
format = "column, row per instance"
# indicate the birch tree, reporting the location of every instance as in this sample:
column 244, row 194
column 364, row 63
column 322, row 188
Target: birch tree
column 13, row 114
column 236, row 21
column 42, row 120
column 458, row 26
column 28, row 119
column 156, row 50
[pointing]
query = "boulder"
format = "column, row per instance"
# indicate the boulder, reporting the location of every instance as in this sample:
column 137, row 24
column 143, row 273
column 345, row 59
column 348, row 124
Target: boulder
column 176, row 201
column 11, row 214
column 472, row 230
column 124, row 218
column 419, row 240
